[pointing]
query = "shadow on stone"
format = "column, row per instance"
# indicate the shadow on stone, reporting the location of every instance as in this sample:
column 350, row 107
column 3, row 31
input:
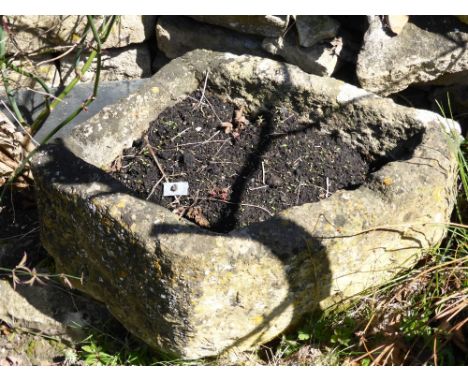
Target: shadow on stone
column 195, row 293
column 302, row 256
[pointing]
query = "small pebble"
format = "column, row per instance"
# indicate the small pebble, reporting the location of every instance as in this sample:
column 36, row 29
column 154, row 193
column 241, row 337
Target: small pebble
column 274, row 180
column 164, row 155
column 198, row 128
column 188, row 159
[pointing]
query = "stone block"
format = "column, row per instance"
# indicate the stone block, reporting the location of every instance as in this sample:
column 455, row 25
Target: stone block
column 194, row 293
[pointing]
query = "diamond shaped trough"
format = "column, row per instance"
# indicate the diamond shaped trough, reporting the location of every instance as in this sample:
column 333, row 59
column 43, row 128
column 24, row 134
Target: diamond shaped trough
column 193, row 293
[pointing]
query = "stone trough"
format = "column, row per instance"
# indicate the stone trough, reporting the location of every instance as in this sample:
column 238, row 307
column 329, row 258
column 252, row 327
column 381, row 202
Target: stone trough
column 194, row 293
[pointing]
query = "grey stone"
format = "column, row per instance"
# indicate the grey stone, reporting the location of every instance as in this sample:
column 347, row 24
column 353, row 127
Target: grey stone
column 267, row 26
column 110, row 92
column 116, row 65
column 426, row 49
column 47, row 72
column 314, row 29
column 33, row 34
column 49, row 310
column 177, row 35
column 321, row 59
column 194, row 293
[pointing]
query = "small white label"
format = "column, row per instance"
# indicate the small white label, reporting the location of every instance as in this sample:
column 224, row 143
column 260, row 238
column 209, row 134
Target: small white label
column 175, row 189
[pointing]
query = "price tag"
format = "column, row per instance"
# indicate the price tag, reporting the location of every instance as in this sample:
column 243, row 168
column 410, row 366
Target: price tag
column 175, row 189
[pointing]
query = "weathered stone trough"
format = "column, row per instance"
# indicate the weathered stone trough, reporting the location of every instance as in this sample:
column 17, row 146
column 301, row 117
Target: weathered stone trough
column 193, row 293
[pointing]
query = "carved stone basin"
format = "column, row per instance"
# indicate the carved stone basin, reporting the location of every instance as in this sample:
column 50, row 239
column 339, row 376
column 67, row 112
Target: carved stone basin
column 194, row 293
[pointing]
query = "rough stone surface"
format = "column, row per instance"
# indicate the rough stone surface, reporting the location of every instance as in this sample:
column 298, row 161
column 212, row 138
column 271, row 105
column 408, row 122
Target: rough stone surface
column 314, row 29
column 193, row 293
column 267, row 26
column 109, row 93
column 38, row 33
column 48, row 72
column 177, row 35
column 320, row 59
column 426, row 48
column 49, row 310
column 117, row 64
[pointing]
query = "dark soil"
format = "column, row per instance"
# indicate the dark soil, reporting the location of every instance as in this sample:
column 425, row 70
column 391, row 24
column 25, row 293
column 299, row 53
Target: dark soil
column 19, row 229
column 242, row 176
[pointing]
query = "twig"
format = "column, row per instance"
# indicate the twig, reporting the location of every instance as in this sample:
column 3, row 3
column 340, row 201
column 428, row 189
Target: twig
column 221, row 162
column 298, row 194
column 213, row 110
column 204, row 88
column 241, row 204
column 193, row 144
column 3, row 66
column 258, row 188
column 20, row 235
column 179, row 134
column 95, row 53
column 58, row 57
column 51, row 49
column 328, row 188
column 369, row 353
column 153, row 155
column 196, row 100
column 41, row 119
column 214, row 135
column 18, row 122
column 385, row 351
column 202, row 142
column 263, row 173
column 217, row 152
column 45, row 94
column 154, row 188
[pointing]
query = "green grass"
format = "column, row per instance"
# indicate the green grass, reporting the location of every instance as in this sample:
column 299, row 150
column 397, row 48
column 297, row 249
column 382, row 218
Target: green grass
column 418, row 318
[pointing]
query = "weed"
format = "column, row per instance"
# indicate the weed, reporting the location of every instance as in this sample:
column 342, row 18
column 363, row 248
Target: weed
column 419, row 317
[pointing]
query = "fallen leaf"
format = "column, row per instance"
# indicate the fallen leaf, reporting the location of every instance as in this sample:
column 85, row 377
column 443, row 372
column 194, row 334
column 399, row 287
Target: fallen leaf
column 116, row 164
column 240, row 122
column 196, row 214
column 227, row 127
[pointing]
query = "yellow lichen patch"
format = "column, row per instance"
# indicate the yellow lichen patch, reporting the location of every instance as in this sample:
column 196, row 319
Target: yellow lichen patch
column 155, row 90
column 121, row 203
column 114, row 211
column 257, row 320
column 387, row 181
column 75, row 37
column 157, row 268
column 437, row 194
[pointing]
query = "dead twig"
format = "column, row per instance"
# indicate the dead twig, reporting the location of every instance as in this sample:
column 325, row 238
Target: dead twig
column 241, row 204
column 59, row 56
column 153, row 155
column 204, row 88
column 154, row 188
column 263, row 172
column 179, row 134
column 217, row 152
column 213, row 110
